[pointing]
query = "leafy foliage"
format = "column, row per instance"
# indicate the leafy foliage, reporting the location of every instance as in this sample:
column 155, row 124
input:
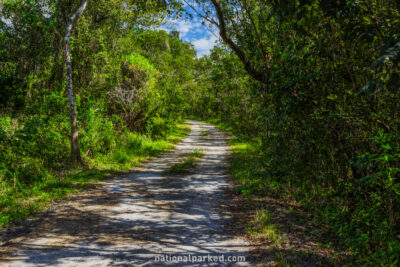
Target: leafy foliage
column 312, row 86
column 124, row 93
column 321, row 122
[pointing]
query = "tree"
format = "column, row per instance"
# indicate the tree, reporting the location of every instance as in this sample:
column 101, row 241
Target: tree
column 75, row 151
column 240, row 25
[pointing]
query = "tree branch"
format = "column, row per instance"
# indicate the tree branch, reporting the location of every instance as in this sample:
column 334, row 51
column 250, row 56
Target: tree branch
column 259, row 76
column 210, row 20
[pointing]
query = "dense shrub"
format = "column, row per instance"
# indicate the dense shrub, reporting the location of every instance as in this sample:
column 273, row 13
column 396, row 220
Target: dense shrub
column 98, row 134
column 325, row 115
column 159, row 127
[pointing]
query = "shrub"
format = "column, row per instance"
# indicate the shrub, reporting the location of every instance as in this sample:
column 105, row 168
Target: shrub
column 45, row 139
column 98, row 134
column 158, row 127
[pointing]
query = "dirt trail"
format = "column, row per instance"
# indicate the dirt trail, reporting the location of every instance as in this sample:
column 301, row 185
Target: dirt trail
column 132, row 219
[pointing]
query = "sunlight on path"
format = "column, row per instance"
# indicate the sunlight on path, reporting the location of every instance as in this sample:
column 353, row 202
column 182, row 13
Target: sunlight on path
column 152, row 214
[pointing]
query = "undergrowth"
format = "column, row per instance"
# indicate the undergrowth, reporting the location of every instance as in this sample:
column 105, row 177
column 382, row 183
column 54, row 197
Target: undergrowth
column 364, row 230
column 29, row 185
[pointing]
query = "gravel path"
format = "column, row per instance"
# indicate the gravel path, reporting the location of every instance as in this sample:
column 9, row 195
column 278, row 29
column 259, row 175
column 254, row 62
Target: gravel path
column 144, row 217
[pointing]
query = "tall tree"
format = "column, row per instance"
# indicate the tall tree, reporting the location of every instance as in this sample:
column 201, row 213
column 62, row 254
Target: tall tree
column 75, row 151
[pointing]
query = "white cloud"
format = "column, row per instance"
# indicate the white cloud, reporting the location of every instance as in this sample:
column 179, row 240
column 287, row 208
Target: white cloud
column 193, row 31
column 163, row 28
column 185, row 26
column 204, row 45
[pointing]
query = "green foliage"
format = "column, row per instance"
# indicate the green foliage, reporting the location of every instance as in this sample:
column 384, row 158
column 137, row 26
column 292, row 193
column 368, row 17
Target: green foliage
column 376, row 195
column 307, row 125
column 126, row 110
column 138, row 61
column 27, row 185
column 98, row 135
column 158, row 127
column 321, row 79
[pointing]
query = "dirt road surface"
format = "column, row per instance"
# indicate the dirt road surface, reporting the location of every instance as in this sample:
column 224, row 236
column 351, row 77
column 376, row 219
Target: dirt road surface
column 143, row 218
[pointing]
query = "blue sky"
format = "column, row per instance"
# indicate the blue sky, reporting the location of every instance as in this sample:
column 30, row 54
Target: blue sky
column 194, row 32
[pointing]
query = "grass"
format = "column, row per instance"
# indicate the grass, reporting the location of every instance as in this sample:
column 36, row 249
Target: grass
column 134, row 148
column 204, row 133
column 18, row 200
column 257, row 179
column 188, row 164
column 261, row 226
column 17, row 203
column 248, row 169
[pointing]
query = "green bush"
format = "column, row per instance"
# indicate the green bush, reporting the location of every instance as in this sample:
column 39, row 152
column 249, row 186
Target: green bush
column 158, row 127
column 20, row 166
column 45, row 139
column 50, row 104
column 120, row 156
column 98, row 135
column 5, row 129
column 375, row 216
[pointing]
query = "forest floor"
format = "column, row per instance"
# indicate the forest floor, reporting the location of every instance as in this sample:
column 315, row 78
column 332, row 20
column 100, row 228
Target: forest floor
column 179, row 204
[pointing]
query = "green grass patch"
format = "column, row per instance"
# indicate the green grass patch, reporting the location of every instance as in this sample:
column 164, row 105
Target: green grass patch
column 196, row 154
column 204, row 133
column 262, row 226
column 249, row 168
column 134, row 148
column 19, row 200
column 188, row 164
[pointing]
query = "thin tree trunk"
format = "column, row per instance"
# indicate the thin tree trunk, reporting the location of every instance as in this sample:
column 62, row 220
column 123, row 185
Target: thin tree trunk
column 75, row 151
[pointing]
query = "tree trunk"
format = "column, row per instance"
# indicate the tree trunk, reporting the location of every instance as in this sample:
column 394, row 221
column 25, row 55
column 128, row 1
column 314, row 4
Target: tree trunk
column 75, row 151
column 260, row 76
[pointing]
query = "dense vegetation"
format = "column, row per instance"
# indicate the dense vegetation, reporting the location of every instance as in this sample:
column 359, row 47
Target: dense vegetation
column 129, row 81
column 317, row 94
column 312, row 86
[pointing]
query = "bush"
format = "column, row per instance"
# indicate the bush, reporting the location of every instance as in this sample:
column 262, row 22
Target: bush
column 98, row 134
column 120, row 156
column 20, row 166
column 5, row 128
column 158, row 127
column 374, row 218
column 44, row 139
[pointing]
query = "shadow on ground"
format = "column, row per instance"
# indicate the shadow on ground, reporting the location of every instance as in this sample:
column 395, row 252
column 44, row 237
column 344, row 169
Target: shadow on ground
column 133, row 218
